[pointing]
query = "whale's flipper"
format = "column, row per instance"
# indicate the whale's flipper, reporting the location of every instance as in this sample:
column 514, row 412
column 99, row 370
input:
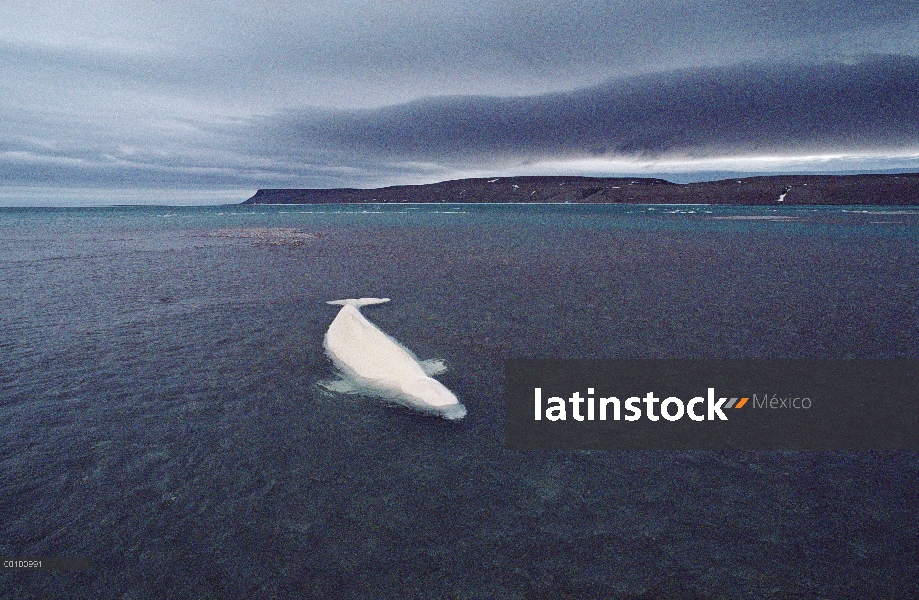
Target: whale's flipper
column 358, row 302
column 340, row 386
column 433, row 366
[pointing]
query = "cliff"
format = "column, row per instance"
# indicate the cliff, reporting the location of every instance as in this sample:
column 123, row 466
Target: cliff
column 765, row 190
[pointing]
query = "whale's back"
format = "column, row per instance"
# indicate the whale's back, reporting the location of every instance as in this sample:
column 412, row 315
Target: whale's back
column 380, row 365
column 359, row 347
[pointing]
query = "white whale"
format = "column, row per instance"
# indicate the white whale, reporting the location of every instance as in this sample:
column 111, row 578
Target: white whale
column 376, row 364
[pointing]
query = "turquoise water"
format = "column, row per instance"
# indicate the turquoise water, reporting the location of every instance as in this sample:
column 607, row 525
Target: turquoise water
column 161, row 413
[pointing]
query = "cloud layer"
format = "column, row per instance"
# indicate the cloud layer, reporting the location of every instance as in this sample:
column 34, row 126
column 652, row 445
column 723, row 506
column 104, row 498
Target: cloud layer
column 234, row 94
column 871, row 105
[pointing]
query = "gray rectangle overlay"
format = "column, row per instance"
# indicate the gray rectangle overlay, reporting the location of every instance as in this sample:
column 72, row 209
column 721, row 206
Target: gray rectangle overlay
column 788, row 404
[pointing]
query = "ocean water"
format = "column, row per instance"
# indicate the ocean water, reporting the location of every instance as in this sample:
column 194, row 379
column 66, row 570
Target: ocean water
column 161, row 415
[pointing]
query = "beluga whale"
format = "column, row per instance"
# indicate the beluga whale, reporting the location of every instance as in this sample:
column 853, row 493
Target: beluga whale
column 375, row 364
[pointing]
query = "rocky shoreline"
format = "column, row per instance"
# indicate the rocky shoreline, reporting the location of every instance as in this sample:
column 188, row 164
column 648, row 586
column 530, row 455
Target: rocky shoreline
column 870, row 189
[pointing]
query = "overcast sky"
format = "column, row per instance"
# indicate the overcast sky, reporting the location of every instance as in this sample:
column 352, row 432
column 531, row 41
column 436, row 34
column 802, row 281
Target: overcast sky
column 175, row 101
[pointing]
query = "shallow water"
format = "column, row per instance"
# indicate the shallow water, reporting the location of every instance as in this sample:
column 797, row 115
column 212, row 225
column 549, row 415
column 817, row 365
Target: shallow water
column 161, row 413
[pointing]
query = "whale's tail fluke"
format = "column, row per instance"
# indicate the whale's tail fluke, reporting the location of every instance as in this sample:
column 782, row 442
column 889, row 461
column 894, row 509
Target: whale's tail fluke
column 358, row 302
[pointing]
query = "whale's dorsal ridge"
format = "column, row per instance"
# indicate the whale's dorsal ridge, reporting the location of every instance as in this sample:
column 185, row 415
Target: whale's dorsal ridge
column 358, row 302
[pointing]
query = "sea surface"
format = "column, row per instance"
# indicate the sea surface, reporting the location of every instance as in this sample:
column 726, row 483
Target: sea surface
column 161, row 413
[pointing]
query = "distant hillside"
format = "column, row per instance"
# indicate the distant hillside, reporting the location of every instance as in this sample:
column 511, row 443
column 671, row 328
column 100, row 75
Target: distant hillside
column 774, row 190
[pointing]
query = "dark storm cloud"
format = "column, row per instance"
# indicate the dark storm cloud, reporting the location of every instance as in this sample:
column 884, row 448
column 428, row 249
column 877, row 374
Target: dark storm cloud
column 869, row 105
